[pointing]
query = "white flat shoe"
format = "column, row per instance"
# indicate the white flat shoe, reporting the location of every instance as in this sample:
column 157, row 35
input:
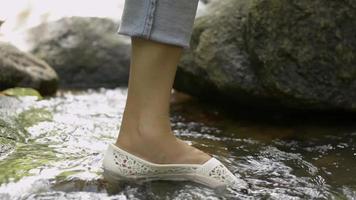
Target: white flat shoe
column 118, row 165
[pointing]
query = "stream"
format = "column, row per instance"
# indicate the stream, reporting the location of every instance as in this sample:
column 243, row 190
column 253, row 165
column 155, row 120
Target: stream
column 53, row 148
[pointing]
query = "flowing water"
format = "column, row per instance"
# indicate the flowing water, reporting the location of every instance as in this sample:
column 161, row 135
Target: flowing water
column 55, row 147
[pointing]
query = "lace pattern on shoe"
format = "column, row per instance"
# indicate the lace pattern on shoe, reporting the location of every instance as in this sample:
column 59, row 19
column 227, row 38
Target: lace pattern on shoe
column 129, row 166
column 220, row 172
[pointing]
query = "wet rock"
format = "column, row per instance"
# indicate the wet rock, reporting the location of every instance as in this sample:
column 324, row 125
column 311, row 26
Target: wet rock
column 6, row 146
column 274, row 54
column 19, row 69
column 10, row 127
column 85, row 52
column 17, row 92
column 16, row 116
column 10, row 131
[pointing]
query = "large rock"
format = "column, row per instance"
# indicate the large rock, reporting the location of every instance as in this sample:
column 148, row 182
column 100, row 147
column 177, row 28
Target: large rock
column 85, row 52
column 295, row 54
column 19, row 69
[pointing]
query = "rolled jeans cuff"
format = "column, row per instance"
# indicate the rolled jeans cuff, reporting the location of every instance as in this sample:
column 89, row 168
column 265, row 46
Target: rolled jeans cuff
column 166, row 21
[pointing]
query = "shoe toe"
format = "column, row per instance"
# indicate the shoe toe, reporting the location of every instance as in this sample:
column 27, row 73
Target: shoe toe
column 218, row 173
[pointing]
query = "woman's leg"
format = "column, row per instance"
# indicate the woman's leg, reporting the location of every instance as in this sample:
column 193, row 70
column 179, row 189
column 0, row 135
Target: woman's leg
column 145, row 129
column 159, row 31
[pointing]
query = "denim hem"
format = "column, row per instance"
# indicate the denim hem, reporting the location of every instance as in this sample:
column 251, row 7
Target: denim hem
column 185, row 46
column 166, row 21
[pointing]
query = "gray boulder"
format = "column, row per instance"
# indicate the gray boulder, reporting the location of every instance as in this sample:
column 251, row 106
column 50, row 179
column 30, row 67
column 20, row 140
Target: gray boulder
column 19, row 69
column 85, row 52
column 292, row 54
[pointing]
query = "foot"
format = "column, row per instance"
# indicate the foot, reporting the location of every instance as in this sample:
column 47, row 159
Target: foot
column 165, row 149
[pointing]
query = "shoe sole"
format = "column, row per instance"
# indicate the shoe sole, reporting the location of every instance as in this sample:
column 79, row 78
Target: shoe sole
column 112, row 177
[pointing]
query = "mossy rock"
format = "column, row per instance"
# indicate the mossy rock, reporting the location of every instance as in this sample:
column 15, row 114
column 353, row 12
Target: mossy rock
column 33, row 116
column 24, row 159
column 22, row 92
column 6, row 146
column 11, row 129
column 275, row 54
column 20, row 69
column 15, row 119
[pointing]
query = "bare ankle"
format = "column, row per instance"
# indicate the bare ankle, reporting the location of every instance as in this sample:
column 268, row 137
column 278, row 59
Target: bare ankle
column 155, row 142
column 146, row 136
column 147, row 129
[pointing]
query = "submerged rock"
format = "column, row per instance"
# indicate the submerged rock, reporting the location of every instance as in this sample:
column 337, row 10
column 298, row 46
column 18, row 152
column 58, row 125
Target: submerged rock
column 10, row 127
column 19, row 69
column 16, row 116
column 6, row 146
column 10, row 130
column 274, row 54
column 85, row 52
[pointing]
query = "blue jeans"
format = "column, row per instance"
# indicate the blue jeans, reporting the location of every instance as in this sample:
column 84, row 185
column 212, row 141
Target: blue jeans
column 166, row 21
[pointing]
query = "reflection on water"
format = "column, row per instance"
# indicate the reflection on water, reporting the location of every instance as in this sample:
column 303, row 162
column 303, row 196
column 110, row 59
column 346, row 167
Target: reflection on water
column 68, row 134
